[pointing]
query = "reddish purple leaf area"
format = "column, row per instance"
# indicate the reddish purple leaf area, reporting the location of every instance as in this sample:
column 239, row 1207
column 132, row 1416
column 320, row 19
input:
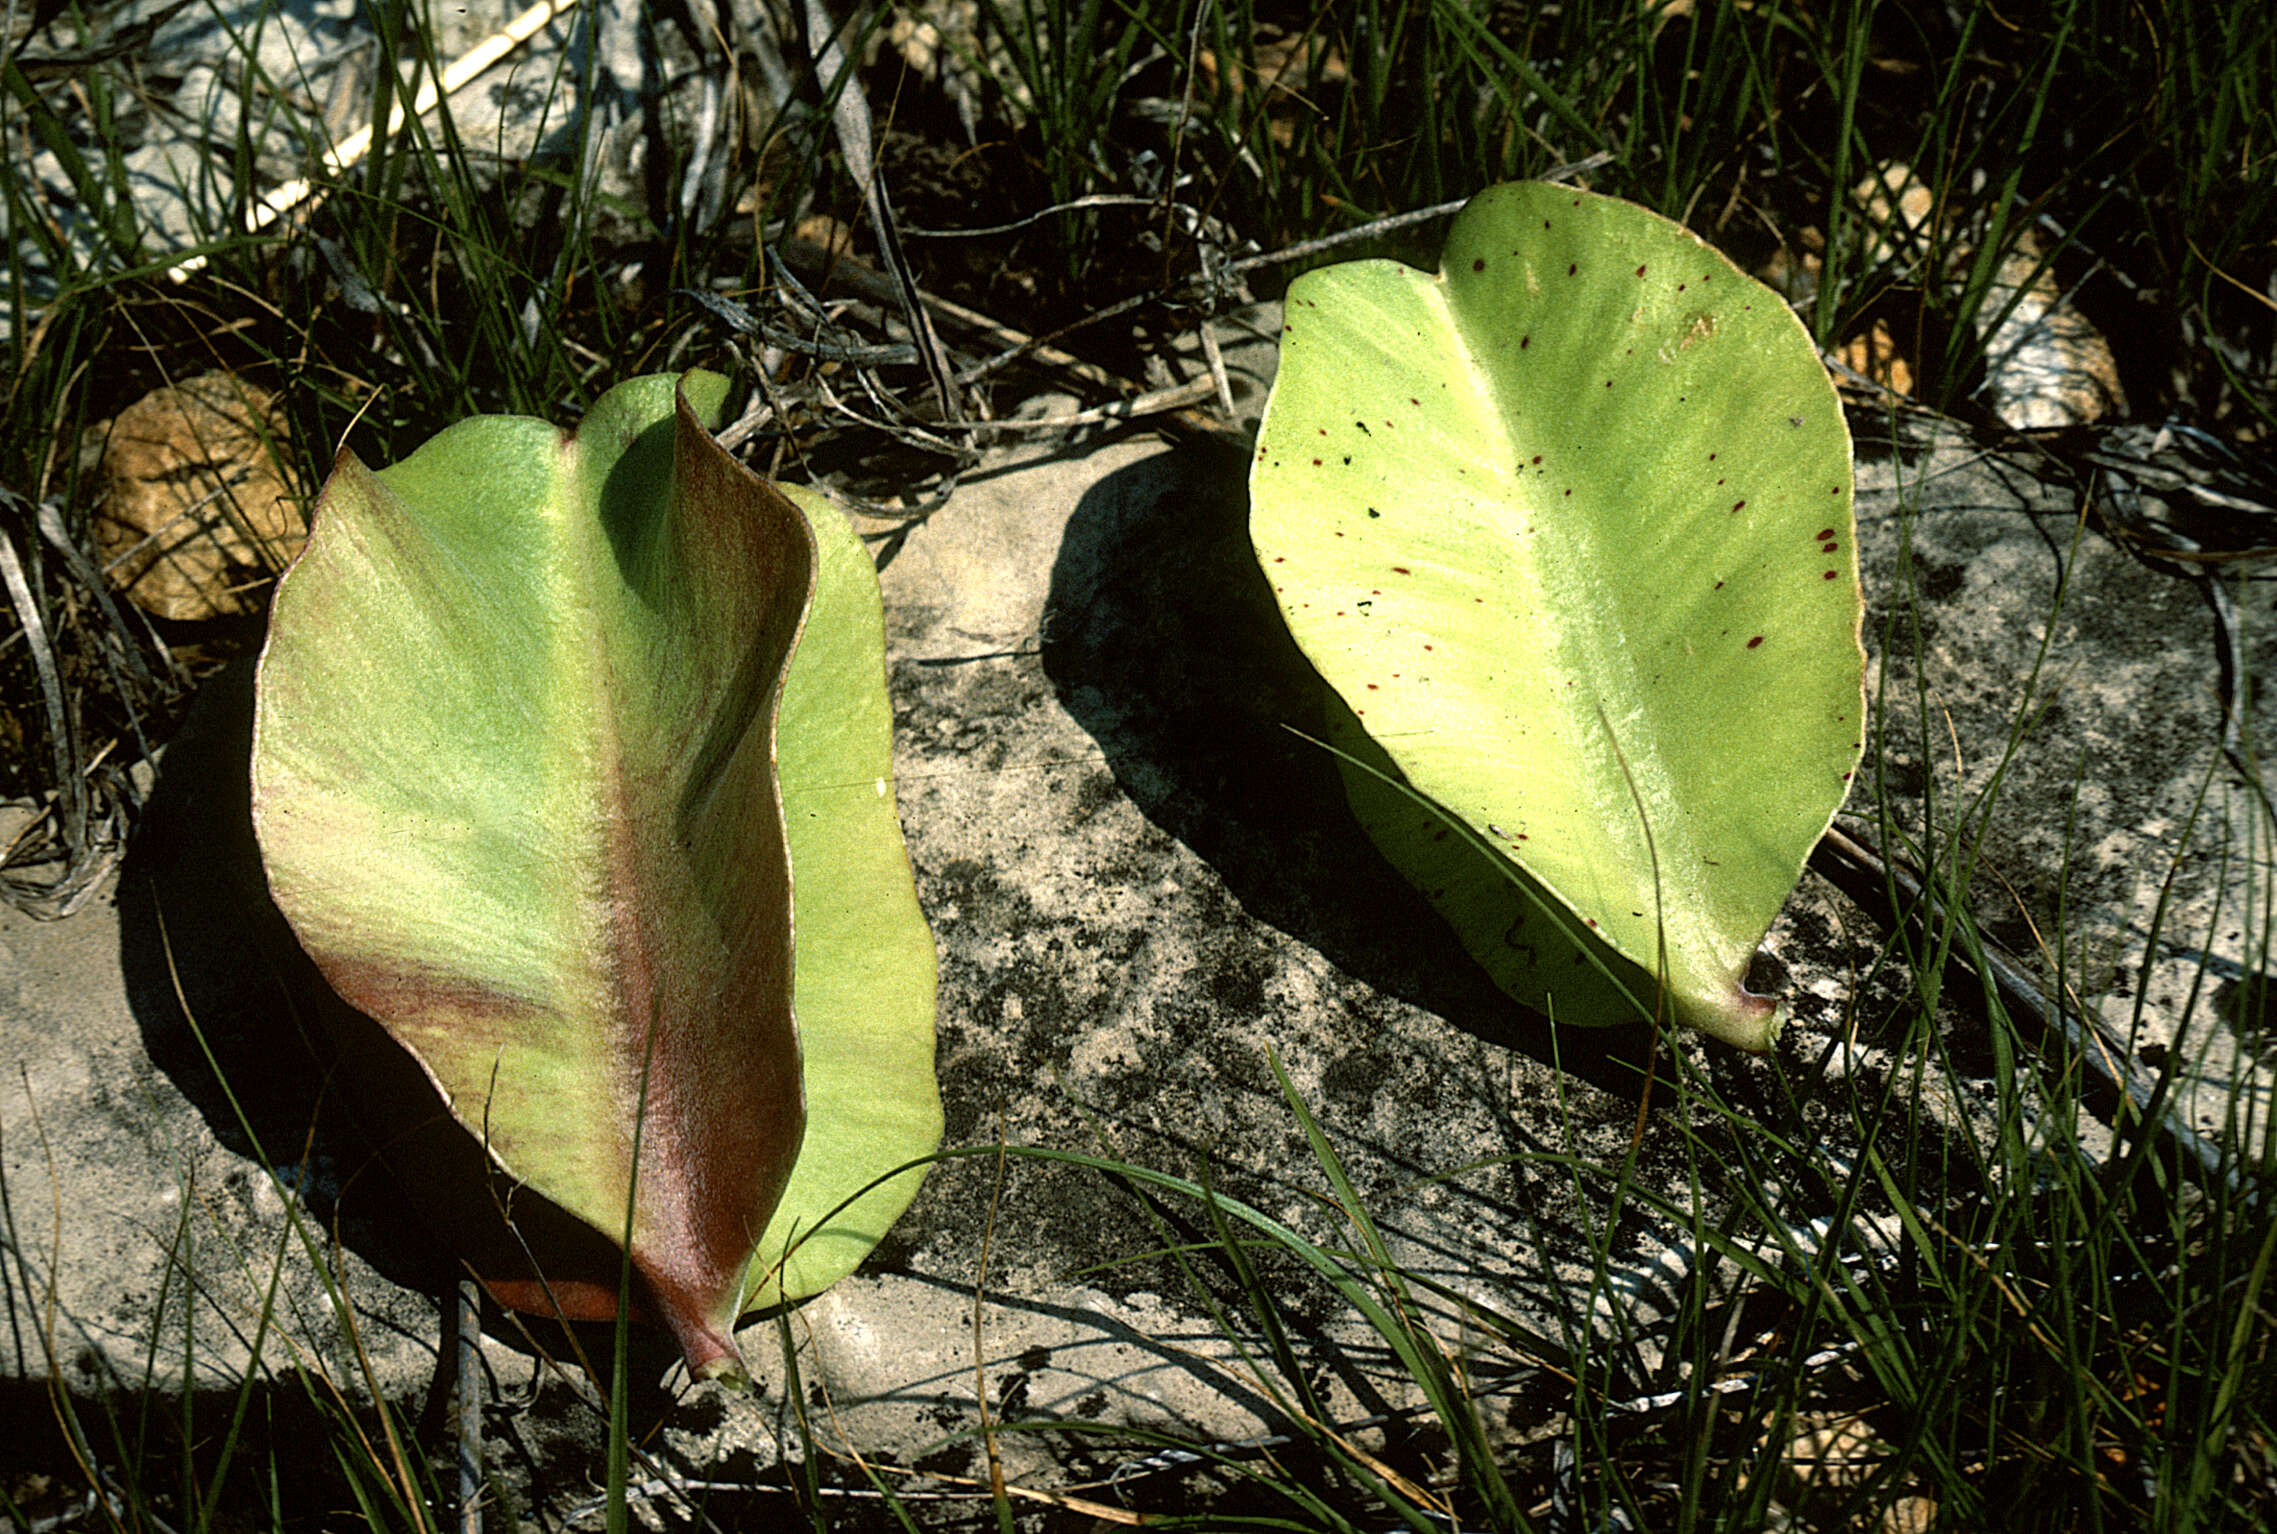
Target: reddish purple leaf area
column 667, row 1024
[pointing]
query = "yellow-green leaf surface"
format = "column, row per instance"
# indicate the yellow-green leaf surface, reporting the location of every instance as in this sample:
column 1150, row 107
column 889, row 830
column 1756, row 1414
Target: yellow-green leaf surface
column 1567, row 528
column 516, row 787
column 865, row 955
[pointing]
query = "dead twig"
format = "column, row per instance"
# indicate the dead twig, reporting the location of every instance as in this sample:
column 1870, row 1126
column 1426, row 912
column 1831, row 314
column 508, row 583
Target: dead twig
column 850, row 120
column 1896, row 896
column 867, row 284
column 469, row 1329
column 1377, row 228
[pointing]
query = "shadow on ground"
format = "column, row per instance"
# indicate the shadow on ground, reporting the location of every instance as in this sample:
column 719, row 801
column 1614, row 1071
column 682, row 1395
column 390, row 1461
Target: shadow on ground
column 287, row 1074
column 1163, row 641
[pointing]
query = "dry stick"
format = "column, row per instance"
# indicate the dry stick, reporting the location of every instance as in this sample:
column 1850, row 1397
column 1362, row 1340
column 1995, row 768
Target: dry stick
column 1178, row 397
column 850, row 118
column 869, row 285
column 1035, row 346
column 1130, row 401
column 78, row 882
column 126, row 41
column 52, row 529
column 652, row 1489
column 1862, row 874
column 1399, row 221
column 996, row 1484
column 1016, row 344
column 359, row 143
column 470, row 1406
column 1216, row 360
column 1072, row 205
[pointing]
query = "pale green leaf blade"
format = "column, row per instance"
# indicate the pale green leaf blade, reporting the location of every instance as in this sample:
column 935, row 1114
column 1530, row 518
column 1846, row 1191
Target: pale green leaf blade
column 866, row 966
column 1568, row 527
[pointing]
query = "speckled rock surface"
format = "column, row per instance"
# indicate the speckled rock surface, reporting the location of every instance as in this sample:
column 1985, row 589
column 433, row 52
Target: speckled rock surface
column 1146, row 889
column 2053, row 707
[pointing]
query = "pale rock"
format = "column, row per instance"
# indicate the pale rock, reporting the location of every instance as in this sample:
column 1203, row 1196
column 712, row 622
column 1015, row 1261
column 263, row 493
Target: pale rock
column 195, row 516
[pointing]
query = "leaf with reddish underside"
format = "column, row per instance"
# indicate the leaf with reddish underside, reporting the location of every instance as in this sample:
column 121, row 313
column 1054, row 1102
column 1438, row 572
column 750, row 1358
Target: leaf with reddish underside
column 516, row 787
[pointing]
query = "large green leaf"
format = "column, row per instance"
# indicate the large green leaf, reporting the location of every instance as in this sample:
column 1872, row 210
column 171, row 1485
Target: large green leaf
column 516, row 787
column 1567, row 528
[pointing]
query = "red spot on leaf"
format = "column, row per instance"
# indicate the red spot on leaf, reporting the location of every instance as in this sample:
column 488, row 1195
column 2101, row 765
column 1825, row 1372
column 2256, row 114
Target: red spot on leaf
column 1479, row 265
column 1524, row 342
column 1640, row 271
column 1830, row 575
column 1825, row 533
column 1737, row 504
column 1826, row 548
column 1572, row 267
column 1752, row 643
column 1401, row 570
